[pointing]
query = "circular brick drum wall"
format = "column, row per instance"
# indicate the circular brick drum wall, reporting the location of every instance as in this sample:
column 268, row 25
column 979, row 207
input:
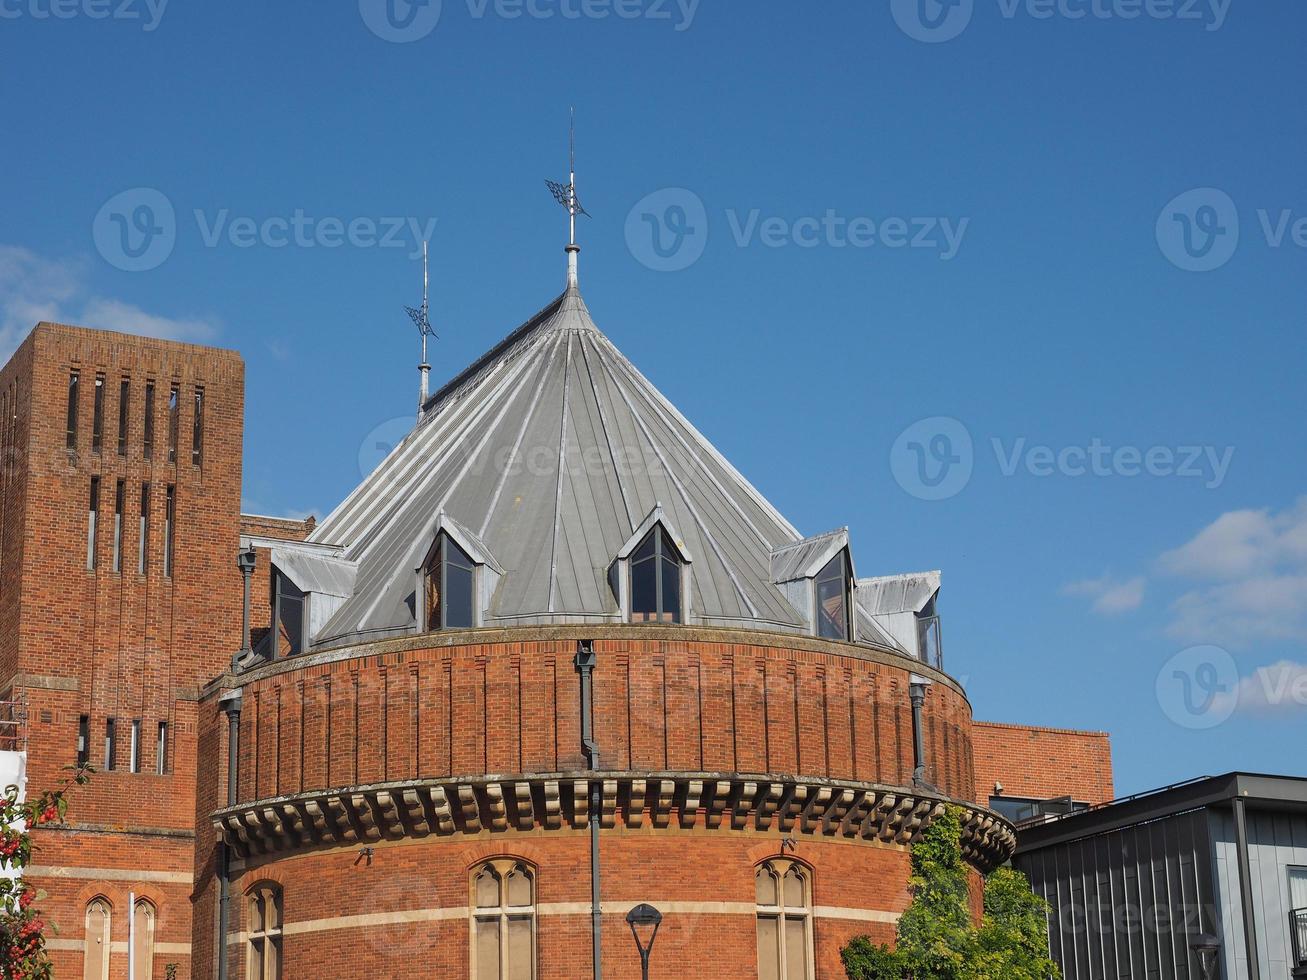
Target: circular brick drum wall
column 375, row 781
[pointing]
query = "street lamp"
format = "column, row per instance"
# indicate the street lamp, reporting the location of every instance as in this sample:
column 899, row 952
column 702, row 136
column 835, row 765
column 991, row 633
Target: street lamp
column 1206, row 946
column 644, row 917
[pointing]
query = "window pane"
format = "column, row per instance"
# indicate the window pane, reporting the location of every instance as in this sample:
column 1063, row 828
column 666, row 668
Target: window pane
column 456, row 555
column 432, row 598
column 769, row 949
column 671, row 591
column 793, row 890
column 458, row 596
column 796, row 950
column 646, row 549
column 273, row 901
column 487, row 945
column 143, row 940
column 644, row 592
column 832, row 598
column 519, row 889
column 96, row 955
column 487, row 890
column 256, row 914
column 766, row 887
column 519, row 948
column 255, row 971
column 272, row 960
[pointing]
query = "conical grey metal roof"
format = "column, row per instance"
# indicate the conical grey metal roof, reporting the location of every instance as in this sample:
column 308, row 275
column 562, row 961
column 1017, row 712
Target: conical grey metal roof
column 549, row 452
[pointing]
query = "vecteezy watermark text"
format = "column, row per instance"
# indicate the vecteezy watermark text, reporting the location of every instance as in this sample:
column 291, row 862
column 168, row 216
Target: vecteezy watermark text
column 1198, row 231
column 936, row 21
column 405, row 21
column 148, row 12
column 934, row 459
column 668, row 230
column 137, row 230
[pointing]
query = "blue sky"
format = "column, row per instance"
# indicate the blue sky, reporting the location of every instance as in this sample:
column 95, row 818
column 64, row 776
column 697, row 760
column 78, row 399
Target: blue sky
column 894, row 227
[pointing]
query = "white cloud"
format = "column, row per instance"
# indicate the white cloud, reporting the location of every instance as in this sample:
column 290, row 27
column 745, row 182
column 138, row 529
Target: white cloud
column 1255, row 566
column 34, row 288
column 1278, row 689
column 1111, row 596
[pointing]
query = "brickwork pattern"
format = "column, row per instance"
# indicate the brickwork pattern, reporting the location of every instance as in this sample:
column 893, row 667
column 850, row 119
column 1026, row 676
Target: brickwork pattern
column 1042, row 763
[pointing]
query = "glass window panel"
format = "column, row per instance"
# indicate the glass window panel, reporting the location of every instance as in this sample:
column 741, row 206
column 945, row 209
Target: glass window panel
column 456, row 555
column 794, row 890
column 487, row 946
column 96, row 955
column 519, row 889
column 832, row 599
column 644, row 592
column 796, row 950
column 487, row 890
column 433, row 592
column 458, row 596
column 519, row 948
column 256, row 914
column 272, row 960
column 143, row 939
column 766, row 887
column 255, row 970
column 769, row 949
column 274, row 910
column 646, row 549
column 671, row 591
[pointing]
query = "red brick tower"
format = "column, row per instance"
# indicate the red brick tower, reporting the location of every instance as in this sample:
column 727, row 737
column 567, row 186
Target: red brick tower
column 119, row 599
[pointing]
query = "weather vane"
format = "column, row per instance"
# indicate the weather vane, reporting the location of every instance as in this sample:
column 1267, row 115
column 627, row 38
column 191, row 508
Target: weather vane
column 565, row 194
column 422, row 320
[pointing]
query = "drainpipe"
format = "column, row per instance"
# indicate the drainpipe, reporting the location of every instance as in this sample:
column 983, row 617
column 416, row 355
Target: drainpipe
column 917, row 693
column 231, row 704
column 1246, row 887
column 245, row 561
column 585, row 665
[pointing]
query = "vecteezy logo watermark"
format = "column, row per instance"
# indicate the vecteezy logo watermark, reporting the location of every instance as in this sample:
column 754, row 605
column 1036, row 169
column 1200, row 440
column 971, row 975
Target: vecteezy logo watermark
column 1198, row 231
column 933, row 459
column 933, row 21
column 667, row 231
column 403, row 21
column 379, row 443
column 148, row 12
column 136, row 230
column 1198, row 687
column 400, row 21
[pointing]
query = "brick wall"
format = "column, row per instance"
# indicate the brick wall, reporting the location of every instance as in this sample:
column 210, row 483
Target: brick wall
column 113, row 641
column 1042, row 763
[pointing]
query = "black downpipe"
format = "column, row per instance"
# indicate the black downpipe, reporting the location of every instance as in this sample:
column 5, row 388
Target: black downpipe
column 917, row 694
column 231, row 704
column 585, row 665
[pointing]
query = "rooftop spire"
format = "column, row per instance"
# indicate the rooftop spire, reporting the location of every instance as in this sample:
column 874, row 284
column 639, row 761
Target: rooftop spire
column 565, row 194
column 422, row 321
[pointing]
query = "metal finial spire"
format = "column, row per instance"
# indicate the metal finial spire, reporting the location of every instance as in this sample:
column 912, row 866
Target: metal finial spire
column 422, row 321
column 565, row 194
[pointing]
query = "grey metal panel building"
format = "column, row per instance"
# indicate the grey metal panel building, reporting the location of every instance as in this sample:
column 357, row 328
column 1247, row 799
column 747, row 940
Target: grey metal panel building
column 1138, row 886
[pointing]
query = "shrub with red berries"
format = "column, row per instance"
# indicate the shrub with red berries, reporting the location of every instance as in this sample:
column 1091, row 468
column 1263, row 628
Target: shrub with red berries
column 22, row 930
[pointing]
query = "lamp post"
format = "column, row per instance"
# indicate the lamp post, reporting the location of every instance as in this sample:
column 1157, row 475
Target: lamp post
column 644, row 917
column 1206, row 946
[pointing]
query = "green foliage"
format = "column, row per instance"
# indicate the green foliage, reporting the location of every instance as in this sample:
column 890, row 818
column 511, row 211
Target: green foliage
column 936, row 940
column 22, row 930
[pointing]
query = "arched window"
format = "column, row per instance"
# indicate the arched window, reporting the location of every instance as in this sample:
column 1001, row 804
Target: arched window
column 656, row 580
column 503, row 921
column 143, row 939
column 264, row 931
column 449, row 587
column 784, row 897
column 95, row 955
column 833, row 598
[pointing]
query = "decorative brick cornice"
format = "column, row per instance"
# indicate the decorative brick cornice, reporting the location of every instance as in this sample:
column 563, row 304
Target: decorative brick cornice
column 554, row 801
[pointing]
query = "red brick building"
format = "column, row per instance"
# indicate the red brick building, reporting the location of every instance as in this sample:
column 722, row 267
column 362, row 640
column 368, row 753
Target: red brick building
column 556, row 657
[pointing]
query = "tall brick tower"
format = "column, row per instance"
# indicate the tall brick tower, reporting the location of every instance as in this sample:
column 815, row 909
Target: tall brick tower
column 119, row 599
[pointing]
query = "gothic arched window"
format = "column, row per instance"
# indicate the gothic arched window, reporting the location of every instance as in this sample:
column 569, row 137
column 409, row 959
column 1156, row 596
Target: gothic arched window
column 656, row 579
column 264, row 932
column 143, row 939
column 95, row 947
column 784, row 896
column 503, row 921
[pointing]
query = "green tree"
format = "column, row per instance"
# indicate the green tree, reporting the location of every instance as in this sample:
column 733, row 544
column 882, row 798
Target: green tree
column 936, row 938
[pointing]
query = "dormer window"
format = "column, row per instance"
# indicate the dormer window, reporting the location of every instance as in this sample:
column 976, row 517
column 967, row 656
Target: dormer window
column 288, row 602
column 656, row 580
column 449, row 587
column 832, row 587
